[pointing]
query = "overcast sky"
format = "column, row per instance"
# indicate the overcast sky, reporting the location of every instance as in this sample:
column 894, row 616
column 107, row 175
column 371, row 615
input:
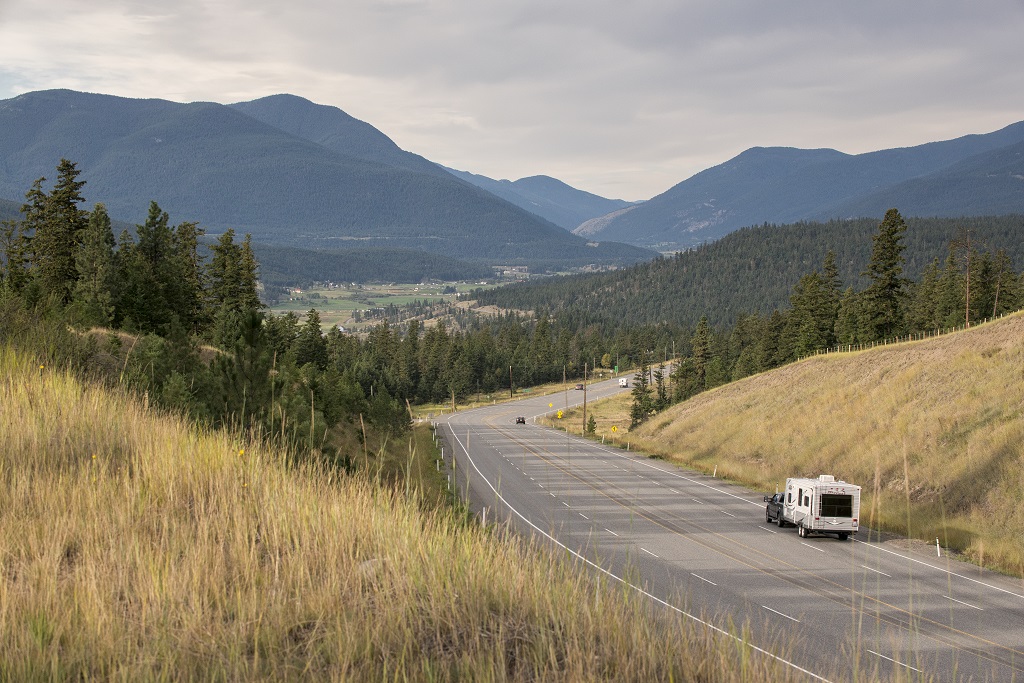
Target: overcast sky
column 623, row 98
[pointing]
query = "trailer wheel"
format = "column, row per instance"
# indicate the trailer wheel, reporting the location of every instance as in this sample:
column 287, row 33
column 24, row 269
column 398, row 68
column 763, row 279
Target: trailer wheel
column 800, row 531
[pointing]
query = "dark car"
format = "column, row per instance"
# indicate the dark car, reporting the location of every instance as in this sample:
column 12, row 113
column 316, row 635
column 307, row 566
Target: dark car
column 579, row 387
column 773, row 511
column 520, row 420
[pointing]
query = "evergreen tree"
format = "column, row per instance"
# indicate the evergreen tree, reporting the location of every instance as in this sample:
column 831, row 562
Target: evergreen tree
column 700, row 344
column 59, row 233
column 94, row 262
column 310, row 345
column 921, row 311
column 882, row 301
column 661, row 397
column 1005, row 297
column 643, row 402
column 248, row 278
column 949, row 310
column 15, row 264
column 848, row 318
column 189, row 290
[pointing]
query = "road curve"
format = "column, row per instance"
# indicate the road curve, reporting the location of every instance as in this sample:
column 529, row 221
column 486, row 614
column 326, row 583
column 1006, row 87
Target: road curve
column 867, row 608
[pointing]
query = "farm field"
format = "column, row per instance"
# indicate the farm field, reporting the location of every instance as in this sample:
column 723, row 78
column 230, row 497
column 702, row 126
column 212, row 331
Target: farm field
column 339, row 305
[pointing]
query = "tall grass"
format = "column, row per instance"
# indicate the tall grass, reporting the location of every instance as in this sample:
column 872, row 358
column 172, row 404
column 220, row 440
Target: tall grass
column 951, row 407
column 136, row 547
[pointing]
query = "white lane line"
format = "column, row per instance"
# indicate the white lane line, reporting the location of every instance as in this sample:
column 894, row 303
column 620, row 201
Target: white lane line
column 964, row 603
column 611, row 532
column 811, row 547
column 649, row 552
column 771, row 531
column 565, row 504
column 927, row 564
column 893, row 660
column 727, row 513
column 699, row 502
column 876, row 571
column 584, row 516
column 780, row 613
column 674, row 491
column 552, row 495
column 703, row 579
column 615, row 577
column 542, row 485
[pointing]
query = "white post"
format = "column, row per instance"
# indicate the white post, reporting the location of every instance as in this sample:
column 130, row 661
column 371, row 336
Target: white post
column 715, row 473
column 484, row 520
column 938, row 552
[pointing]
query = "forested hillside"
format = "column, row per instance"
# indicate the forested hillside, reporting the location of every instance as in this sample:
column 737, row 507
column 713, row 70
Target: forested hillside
column 226, row 170
column 752, row 270
column 283, row 266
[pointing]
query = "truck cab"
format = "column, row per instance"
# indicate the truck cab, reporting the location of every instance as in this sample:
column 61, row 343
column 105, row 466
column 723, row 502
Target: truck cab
column 624, row 382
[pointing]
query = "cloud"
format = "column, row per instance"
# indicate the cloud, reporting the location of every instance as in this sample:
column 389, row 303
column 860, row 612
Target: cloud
column 621, row 99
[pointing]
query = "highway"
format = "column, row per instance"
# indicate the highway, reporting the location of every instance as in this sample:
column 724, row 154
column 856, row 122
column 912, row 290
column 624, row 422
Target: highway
column 868, row 608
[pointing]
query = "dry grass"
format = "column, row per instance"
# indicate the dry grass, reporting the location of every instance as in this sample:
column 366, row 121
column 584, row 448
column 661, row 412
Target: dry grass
column 137, row 548
column 932, row 430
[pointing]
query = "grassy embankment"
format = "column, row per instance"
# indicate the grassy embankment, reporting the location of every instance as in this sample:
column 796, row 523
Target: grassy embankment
column 137, row 547
column 933, row 430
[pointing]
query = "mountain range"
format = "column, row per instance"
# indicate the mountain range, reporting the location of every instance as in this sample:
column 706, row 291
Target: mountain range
column 284, row 169
column 547, row 197
column 970, row 176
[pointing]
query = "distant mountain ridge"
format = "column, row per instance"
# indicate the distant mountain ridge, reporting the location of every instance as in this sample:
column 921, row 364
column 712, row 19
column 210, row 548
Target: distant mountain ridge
column 969, row 176
column 282, row 168
column 547, row 197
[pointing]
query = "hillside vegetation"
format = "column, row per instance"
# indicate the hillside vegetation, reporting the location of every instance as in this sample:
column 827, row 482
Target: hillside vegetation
column 138, row 547
column 752, row 270
column 931, row 429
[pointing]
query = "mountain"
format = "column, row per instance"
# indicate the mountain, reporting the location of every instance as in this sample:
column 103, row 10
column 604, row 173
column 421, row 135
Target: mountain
column 547, row 197
column 316, row 178
column 333, row 129
column 9, row 210
column 971, row 175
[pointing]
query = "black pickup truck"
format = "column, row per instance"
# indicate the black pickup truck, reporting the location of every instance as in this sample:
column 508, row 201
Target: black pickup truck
column 773, row 510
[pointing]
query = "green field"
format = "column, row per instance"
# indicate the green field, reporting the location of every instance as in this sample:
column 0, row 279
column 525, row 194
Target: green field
column 337, row 306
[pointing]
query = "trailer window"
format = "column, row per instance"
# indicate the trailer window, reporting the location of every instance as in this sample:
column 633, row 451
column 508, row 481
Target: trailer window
column 836, row 505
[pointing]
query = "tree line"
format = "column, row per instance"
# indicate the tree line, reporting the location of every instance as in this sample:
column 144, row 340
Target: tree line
column 968, row 286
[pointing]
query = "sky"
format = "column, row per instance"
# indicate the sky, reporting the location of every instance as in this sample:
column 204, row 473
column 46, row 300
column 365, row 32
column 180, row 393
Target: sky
column 622, row 98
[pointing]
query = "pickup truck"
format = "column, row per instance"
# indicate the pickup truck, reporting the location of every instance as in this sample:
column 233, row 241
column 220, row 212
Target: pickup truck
column 773, row 510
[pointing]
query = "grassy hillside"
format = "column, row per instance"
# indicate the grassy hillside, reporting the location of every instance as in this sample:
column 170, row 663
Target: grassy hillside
column 933, row 430
column 145, row 549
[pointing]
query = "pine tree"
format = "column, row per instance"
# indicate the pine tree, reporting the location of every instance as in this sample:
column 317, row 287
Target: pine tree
column 248, row 278
column 59, row 233
column 924, row 300
column 643, row 402
column 188, row 303
column 882, row 301
column 94, row 291
column 310, row 345
column 700, row 344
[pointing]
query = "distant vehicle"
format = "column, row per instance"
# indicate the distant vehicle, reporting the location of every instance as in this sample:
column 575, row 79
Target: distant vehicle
column 520, row 420
column 579, row 387
column 816, row 506
column 623, row 382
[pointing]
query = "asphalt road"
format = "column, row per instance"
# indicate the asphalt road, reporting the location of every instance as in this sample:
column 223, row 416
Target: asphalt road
column 870, row 607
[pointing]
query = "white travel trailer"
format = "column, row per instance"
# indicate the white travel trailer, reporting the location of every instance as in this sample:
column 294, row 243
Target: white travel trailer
column 822, row 505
